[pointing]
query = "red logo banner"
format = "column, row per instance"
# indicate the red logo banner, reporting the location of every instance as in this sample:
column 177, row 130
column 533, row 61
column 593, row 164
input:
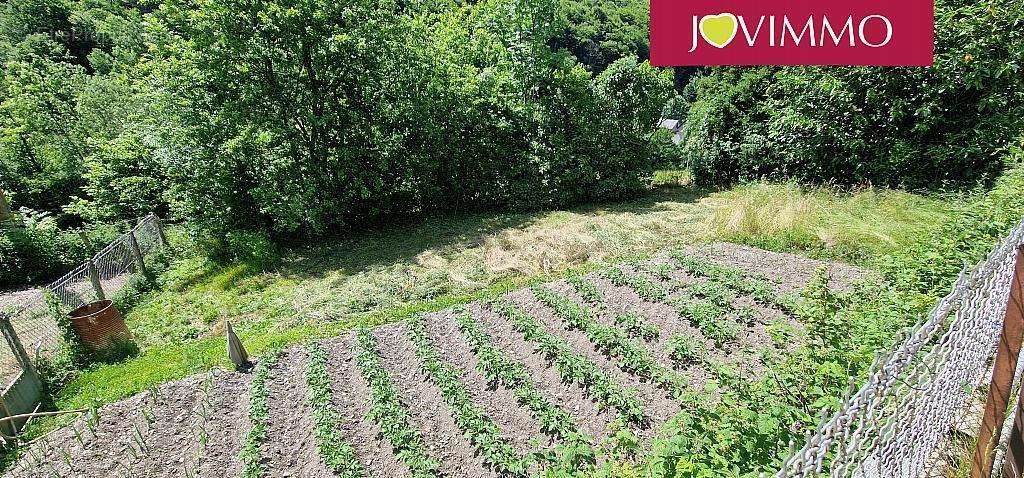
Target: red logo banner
column 793, row 32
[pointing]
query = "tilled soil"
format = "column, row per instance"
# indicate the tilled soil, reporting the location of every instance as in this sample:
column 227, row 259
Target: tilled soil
column 430, row 413
column 573, row 399
column 500, row 403
column 197, row 426
column 657, row 404
column 351, row 395
column 149, row 433
column 226, row 424
column 290, row 416
column 790, row 272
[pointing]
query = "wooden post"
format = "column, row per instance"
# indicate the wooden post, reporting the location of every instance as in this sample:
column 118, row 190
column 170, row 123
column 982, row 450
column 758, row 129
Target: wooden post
column 1002, row 375
column 15, row 344
column 137, row 253
column 159, row 230
column 94, row 276
column 1013, row 465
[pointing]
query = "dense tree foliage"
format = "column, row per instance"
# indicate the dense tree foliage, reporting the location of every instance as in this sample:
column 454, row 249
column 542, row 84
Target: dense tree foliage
column 296, row 117
column 288, row 117
column 910, row 127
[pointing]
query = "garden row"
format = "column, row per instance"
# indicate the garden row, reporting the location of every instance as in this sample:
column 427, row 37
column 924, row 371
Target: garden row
column 561, row 376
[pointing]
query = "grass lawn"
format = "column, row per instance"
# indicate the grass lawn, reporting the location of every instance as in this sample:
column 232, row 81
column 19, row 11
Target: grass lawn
column 384, row 275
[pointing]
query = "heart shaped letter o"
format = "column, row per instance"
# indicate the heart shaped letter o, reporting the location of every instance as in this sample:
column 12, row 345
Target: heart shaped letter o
column 718, row 30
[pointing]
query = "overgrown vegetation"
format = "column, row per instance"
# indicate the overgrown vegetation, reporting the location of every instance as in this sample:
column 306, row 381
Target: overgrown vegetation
column 950, row 124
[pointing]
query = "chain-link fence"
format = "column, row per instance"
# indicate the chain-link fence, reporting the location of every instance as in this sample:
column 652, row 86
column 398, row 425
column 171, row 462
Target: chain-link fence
column 893, row 425
column 100, row 277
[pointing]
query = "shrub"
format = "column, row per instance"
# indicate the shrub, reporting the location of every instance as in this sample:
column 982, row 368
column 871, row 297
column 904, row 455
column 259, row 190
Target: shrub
column 252, row 247
column 508, row 124
column 932, row 264
column 909, row 127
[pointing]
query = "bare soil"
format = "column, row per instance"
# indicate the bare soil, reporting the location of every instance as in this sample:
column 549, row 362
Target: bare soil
column 430, row 413
column 500, row 403
column 351, row 395
column 790, row 272
column 160, row 433
column 658, row 405
column 572, row 398
column 290, row 416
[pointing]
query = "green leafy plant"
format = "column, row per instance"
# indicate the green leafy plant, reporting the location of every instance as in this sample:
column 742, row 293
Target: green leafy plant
column 612, row 341
column 388, row 411
column 485, row 435
column 637, row 325
column 259, row 416
column 573, row 367
column 338, row 455
column 586, row 289
column 685, row 349
column 501, row 369
column 644, row 287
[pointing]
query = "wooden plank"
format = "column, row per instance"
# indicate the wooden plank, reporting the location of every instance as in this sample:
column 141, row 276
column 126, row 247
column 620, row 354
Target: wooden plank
column 1013, row 465
column 1002, row 376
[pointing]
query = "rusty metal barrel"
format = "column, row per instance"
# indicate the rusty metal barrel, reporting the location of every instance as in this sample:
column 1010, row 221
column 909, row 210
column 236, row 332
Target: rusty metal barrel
column 99, row 324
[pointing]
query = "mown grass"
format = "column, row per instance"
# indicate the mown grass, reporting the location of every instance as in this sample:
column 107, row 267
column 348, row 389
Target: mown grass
column 402, row 264
column 401, row 269
column 379, row 276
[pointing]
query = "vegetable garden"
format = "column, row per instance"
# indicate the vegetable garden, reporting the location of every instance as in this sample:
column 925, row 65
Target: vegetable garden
column 566, row 377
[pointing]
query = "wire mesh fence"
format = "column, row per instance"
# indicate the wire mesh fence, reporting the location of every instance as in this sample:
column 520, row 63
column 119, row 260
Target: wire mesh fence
column 101, row 277
column 893, row 425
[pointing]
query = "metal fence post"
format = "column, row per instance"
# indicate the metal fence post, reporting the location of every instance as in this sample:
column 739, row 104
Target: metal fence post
column 1002, row 375
column 136, row 252
column 159, row 229
column 94, row 276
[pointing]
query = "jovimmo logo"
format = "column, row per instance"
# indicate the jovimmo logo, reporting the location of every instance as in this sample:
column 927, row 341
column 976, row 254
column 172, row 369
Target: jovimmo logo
column 794, row 32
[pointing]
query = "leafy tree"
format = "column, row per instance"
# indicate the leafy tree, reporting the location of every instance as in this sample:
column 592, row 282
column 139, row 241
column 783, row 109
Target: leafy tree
column 911, row 127
column 41, row 143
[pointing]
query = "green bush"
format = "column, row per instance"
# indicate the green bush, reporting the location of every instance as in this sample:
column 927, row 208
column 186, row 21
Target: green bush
column 459, row 111
column 934, row 262
column 38, row 251
column 252, row 247
column 910, row 127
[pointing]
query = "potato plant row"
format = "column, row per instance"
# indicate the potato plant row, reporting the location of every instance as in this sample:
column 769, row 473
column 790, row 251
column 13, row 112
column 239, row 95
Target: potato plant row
column 573, row 367
column 259, row 416
column 338, row 455
column 586, row 289
column 644, row 287
column 685, row 349
column 500, row 369
column 757, row 287
column 485, row 435
column 706, row 304
column 711, row 319
column 638, row 326
column 612, row 341
column 390, row 414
